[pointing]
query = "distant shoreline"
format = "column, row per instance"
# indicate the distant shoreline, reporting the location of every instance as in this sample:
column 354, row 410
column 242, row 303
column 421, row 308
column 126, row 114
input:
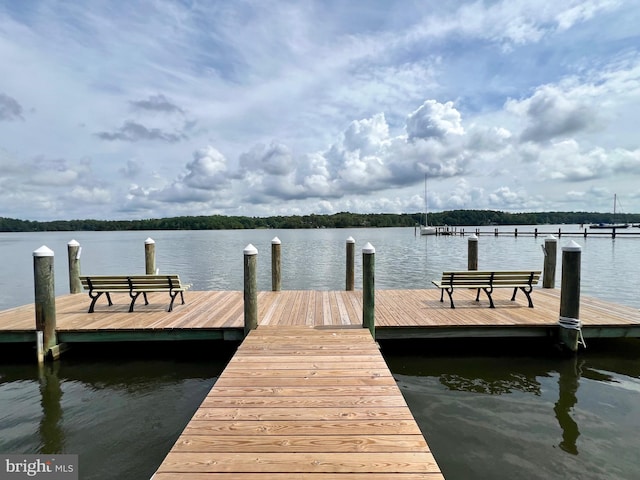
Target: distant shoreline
column 338, row 220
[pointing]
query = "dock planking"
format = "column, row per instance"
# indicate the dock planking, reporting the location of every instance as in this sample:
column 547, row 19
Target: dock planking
column 303, row 402
column 398, row 314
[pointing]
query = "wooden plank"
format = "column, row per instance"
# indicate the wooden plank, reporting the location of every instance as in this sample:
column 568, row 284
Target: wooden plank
column 394, row 462
column 296, row 476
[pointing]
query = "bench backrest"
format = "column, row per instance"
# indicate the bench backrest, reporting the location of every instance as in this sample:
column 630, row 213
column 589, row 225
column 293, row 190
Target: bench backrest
column 121, row 282
column 495, row 278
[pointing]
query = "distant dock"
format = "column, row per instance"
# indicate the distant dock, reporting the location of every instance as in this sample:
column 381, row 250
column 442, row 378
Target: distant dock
column 514, row 231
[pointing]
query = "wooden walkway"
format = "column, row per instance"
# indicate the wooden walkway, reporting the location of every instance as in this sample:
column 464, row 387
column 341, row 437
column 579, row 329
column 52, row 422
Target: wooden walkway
column 303, row 402
column 398, row 314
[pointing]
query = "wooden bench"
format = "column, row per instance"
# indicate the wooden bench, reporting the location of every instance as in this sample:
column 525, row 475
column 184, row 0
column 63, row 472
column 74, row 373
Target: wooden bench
column 487, row 281
column 97, row 285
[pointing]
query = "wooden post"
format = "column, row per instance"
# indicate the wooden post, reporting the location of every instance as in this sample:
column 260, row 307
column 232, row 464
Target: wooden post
column 570, row 326
column 74, row 250
column 250, row 289
column 368, row 288
column 472, row 253
column 515, row 232
column 45, row 297
column 351, row 272
column 550, row 249
column 276, row 248
column 150, row 256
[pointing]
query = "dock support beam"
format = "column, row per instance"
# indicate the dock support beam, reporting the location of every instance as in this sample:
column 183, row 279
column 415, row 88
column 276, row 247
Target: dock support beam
column 150, row 256
column 570, row 332
column 73, row 251
column 250, row 289
column 350, row 264
column 276, row 258
column 472, row 253
column 45, row 301
column 368, row 288
column 550, row 259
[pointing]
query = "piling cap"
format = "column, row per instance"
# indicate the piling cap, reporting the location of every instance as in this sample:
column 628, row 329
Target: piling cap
column 368, row 248
column 473, row 238
column 351, row 240
column 275, row 241
column 149, row 241
column 43, row 251
column 73, row 243
column 250, row 250
column 551, row 238
column 572, row 247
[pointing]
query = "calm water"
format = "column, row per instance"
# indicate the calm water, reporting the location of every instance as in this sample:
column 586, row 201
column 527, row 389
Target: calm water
column 488, row 411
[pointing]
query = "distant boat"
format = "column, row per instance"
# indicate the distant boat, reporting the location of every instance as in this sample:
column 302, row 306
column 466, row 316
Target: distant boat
column 613, row 224
column 427, row 229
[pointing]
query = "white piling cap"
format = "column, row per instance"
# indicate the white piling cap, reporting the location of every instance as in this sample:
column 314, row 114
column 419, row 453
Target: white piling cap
column 73, row 243
column 250, row 250
column 43, row 251
column 275, row 241
column 351, row 240
column 572, row 247
column 473, row 238
column 368, row 248
column 551, row 238
column 149, row 241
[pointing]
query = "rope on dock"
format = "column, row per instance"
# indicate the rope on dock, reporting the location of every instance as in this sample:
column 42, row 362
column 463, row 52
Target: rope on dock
column 573, row 324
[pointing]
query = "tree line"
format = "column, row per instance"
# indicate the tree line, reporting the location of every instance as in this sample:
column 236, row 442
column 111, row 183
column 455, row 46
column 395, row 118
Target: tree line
column 337, row 220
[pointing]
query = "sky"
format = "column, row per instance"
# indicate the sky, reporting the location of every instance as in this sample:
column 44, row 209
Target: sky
column 154, row 108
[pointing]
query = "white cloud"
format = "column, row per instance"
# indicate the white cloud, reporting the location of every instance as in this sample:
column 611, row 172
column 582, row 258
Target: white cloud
column 505, row 104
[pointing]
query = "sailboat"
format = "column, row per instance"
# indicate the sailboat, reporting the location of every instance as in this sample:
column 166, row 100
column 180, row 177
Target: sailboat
column 426, row 229
column 611, row 225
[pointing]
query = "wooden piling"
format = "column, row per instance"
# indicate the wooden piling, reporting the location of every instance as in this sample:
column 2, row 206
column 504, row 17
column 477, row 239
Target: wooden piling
column 250, row 289
column 550, row 259
column 73, row 252
column 570, row 326
column 368, row 288
column 150, row 256
column 350, row 264
column 45, row 297
column 276, row 252
column 472, row 253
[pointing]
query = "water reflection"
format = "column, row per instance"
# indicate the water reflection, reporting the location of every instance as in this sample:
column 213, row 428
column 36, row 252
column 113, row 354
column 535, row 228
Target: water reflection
column 50, row 430
column 568, row 382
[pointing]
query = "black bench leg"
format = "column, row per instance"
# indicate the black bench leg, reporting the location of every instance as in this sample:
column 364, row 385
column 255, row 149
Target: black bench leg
column 94, row 299
column 513, row 297
column 478, row 296
column 134, row 297
column 450, row 293
column 144, row 295
column 173, row 297
column 527, row 292
column 488, row 292
column 182, row 297
column 442, row 294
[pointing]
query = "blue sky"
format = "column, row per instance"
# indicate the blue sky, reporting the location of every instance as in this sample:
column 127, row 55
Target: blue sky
column 145, row 109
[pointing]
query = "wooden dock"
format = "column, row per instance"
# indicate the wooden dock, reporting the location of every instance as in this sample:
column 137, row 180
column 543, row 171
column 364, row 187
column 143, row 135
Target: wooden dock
column 398, row 314
column 303, row 402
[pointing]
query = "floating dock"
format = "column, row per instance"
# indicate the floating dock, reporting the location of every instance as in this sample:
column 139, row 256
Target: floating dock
column 399, row 314
column 308, row 394
column 303, row 402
